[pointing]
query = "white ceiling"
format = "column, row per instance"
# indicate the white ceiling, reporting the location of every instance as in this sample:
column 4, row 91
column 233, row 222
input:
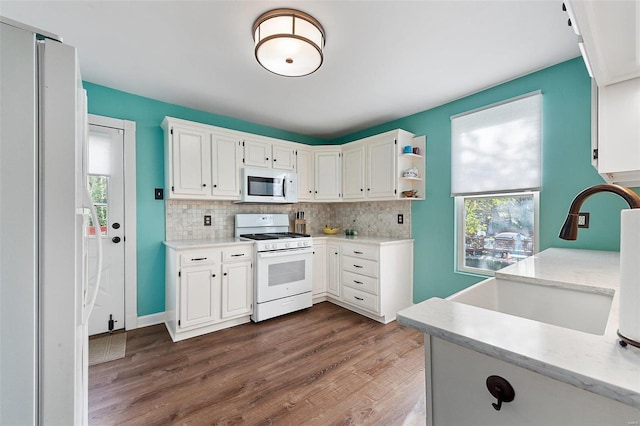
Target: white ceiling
column 383, row 59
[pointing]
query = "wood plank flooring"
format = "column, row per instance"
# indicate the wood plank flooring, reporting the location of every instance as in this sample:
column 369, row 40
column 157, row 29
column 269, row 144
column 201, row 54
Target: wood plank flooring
column 321, row 366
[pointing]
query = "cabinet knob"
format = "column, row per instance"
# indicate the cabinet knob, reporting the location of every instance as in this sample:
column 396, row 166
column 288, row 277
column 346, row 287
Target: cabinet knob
column 204, row 184
column 361, row 189
column 225, row 274
column 274, row 160
column 501, row 389
column 267, row 158
column 310, row 191
column 368, row 189
column 214, row 275
column 215, row 186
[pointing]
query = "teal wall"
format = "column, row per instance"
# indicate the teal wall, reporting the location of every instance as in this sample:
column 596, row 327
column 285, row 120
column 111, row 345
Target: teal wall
column 148, row 114
column 567, row 169
column 566, row 90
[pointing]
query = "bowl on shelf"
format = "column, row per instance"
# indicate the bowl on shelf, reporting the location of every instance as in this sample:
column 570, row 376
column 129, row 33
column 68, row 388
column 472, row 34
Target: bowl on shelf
column 410, row 194
column 330, row 231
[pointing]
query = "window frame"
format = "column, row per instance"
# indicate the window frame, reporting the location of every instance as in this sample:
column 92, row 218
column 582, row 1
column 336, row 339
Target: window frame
column 460, row 247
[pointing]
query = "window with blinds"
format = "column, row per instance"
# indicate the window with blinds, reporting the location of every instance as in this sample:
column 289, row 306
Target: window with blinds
column 496, row 174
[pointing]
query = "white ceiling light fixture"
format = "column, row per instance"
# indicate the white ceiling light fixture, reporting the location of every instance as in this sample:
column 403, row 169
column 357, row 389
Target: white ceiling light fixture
column 288, row 42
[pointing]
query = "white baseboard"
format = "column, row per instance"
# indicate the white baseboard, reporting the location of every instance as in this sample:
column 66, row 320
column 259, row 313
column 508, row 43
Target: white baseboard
column 152, row 319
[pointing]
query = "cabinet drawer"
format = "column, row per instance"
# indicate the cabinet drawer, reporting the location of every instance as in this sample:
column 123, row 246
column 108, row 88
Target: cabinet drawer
column 361, row 282
column 360, row 298
column 361, row 250
column 360, row 266
column 194, row 258
column 237, row 253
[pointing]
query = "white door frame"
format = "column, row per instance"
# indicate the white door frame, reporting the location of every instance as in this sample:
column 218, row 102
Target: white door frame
column 130, row 258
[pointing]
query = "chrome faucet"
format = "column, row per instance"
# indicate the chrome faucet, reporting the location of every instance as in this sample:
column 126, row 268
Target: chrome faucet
column 569, row 230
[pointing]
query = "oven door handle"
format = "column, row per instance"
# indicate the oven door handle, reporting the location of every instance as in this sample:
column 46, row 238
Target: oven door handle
column 285, row 252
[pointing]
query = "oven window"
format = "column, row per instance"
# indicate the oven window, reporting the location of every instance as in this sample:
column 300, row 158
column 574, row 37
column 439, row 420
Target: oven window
column 286, row 272
column 265, row 187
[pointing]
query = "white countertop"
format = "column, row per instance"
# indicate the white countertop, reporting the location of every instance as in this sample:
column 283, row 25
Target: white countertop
column 361, row 239
column 594, row 363
column 188, row 244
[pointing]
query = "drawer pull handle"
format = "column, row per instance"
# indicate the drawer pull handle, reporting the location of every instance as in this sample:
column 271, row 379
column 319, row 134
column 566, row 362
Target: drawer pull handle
column 193, row 259
column 358, row 298
column 357, row 266
column 236, row 255
column 358, row 252
column 358, row 282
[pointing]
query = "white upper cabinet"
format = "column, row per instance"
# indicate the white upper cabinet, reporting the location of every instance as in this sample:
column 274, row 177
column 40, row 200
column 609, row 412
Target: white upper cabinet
column 304, row 166
column 353, row 165
column 226, row 160
column 189, row 169
column 257, row 153
column 327, row 176
column 608, row 37
column 617, row 147
column 284, row 157
column 201, row 162
column 264, row 153
column 381, row 167
column 205, row 162
column 375, row 168
column 607, row 31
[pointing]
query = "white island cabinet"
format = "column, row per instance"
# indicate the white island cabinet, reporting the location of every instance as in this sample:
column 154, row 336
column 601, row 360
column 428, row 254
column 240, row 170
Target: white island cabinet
column 208, row 287
column 559, row 375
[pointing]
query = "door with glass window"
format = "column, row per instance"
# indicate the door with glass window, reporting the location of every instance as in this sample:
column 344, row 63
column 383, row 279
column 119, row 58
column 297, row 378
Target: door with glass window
column 106, row 186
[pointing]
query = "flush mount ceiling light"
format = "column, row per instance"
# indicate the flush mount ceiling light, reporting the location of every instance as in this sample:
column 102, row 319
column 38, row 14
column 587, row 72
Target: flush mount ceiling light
column 288, row 42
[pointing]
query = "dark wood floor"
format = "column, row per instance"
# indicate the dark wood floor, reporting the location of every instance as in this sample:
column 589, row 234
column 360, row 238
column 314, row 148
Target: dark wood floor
column 321, row 366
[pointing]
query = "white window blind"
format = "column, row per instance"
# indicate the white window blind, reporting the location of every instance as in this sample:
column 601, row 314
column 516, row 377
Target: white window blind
column 498, row 148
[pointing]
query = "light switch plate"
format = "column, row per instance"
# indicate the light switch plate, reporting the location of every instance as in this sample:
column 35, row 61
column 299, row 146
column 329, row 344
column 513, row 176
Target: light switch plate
column 207, row 220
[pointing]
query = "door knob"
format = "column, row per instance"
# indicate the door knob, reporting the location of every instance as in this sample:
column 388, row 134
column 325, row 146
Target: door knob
column 116, row 225
column 116, row 240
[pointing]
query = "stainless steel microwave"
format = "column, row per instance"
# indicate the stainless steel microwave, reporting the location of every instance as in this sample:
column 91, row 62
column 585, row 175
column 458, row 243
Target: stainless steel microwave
column 268, row 186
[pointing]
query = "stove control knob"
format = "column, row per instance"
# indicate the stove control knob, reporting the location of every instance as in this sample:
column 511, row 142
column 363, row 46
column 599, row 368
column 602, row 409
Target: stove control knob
column 287, row 245
column 300, row 244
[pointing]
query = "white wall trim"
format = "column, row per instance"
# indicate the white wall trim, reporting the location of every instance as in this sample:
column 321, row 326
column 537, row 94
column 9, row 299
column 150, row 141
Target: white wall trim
column 151, row 319
column 130, row 248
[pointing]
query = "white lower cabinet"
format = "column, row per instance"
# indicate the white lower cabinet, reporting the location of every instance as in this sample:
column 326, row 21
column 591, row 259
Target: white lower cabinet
column 372, row 279
column 319, row 286
column 236, row 294
column 457, row 393
column 207, row 289
column 333, row 269
column 198, row 288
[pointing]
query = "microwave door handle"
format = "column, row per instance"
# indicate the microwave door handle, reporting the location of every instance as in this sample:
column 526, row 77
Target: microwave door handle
column 284, row 187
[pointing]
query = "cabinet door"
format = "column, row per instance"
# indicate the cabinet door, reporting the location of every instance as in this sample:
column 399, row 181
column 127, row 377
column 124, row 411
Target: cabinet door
column 190, row 160
column 319, row 269
column 353, row 172
column 619, row 129
column 304, row 160
column 327, row 176
column 225, row 169
column 199, row 294
column 257, row 153
column 381, row 170
column 237, row 289
column 283, row 157
column 333, row 269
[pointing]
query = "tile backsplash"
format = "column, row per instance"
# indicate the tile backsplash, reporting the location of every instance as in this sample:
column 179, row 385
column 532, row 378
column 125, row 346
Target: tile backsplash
column 185, row 218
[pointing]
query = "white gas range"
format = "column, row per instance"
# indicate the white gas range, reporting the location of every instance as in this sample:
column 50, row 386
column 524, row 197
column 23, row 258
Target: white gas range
column 283, row 262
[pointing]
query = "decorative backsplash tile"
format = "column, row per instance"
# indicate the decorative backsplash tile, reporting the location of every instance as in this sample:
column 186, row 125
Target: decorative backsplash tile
column 185, row 218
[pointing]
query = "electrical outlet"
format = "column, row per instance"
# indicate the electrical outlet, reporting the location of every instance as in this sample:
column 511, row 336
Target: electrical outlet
column 400, row 218
column 583, row 220
column 207, row 220
column 159, row 193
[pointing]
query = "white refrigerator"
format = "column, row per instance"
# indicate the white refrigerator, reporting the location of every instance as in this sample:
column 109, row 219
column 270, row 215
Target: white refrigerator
column 45, row 294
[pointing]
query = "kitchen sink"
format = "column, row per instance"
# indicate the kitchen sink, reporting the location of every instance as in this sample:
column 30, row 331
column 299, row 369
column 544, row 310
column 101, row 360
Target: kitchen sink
column 583, row 309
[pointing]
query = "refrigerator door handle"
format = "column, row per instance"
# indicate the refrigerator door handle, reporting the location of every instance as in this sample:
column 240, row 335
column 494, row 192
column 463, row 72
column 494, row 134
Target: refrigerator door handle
column 96, row 225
